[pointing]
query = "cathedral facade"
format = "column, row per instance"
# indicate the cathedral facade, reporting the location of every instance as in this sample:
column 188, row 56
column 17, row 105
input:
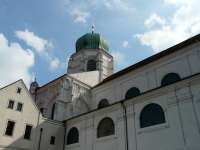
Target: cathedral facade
column 151, row 105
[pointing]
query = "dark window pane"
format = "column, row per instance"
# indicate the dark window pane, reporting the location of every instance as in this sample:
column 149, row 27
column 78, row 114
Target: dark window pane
column 73, row 136
column 103, row 103
column 151, row 114
column 91, row 65
column 27, row 134
column 42, row 110
column 19, row 90
column 132, row 92
column 19, row 106
column 11, row 104
column 105, row 128
column 10, row 128
column 52, row 140
column 170, row 78
column 52, row 111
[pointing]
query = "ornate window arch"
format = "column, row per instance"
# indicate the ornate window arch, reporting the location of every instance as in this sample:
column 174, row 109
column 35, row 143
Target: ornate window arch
column 106, row 127
column 91, row 65
column 152, row 114
column 103, row 103
column 132, row 92
column 170, row 78
column 73, row 136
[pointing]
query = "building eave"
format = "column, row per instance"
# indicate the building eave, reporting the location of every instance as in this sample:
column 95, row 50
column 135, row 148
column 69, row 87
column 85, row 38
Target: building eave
column 153, row 58
column 142, row 94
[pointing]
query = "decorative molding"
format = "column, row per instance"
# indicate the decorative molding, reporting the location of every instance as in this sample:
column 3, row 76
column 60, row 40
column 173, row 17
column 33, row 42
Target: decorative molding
column 153, row 128
column 107, row 138
column 72, row 146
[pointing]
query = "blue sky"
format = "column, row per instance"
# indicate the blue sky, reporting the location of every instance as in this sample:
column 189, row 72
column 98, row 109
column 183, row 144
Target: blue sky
column 37, row 37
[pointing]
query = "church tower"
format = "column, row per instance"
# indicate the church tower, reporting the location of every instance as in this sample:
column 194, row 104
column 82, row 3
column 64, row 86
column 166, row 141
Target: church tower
column 92, row 60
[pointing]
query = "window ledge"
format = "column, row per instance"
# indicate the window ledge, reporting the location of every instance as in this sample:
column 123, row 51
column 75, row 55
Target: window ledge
column 8, row 136
column 29, row 140
column 153, row 128
column 73, row 145
column 106, row 138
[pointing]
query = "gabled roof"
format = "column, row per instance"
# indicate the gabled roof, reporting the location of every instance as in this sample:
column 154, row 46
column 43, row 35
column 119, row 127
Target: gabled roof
column 10, row 84
column 26, row 90
column 153, row 58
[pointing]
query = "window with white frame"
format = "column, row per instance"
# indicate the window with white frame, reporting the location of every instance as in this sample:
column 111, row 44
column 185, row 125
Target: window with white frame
column 106, row 127
column 152, row 114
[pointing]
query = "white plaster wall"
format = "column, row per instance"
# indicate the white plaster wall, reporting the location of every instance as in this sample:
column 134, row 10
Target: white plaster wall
column 51, row 128
column 181, row 130
column 180, row 102
column 183, row 62
column 29, row 115
column 91, row 78
column 87, row 127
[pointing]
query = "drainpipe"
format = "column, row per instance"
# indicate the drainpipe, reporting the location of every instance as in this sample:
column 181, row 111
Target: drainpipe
column 65, row 129
column 38, row 120
column 125, row 123
column 41, row 130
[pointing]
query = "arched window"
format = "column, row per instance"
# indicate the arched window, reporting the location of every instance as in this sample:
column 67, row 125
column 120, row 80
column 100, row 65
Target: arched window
column 91, row 65
column 132, row 92
column 73, row 136
column 103, row 103
column 106, row 127
column 151, row 114
column 170, row 78
column 52, row 111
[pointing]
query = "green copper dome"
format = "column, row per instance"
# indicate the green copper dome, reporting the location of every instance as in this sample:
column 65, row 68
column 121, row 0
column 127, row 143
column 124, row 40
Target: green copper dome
column 91, row 41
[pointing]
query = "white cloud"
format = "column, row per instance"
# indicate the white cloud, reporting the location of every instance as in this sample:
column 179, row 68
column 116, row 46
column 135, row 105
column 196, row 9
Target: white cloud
column 54, row 64
column 40, row 45
column 176, row 2
column 154, row 20
column 79, row 15
column 119, row 58
column 125, row 44
column 82, row 10
column 184, row 23
column 122, row 5
column 15, row 62
column 34, row 41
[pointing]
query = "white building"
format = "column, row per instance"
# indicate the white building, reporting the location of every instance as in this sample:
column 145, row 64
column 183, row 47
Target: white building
column 22, row 126
column 151, row 105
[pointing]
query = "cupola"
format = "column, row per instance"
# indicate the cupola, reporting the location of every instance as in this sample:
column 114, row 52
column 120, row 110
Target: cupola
column 91, row 41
